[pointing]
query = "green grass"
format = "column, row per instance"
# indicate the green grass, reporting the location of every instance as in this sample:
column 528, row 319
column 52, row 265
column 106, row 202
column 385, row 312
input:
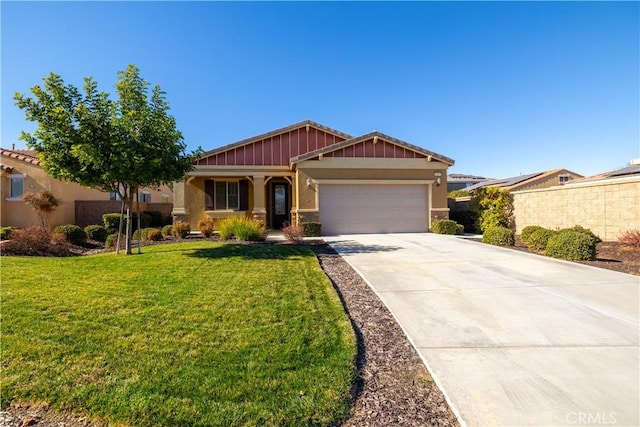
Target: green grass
column 184, row 334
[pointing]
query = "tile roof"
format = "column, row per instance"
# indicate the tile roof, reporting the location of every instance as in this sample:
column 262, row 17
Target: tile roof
column 28, row 156
column 627, row 171
column 365, row 137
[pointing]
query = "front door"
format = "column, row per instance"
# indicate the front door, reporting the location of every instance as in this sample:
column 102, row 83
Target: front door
column 279, row 204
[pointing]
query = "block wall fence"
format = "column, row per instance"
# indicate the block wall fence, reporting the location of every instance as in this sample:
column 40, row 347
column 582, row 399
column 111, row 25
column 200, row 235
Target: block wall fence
column 608, row 207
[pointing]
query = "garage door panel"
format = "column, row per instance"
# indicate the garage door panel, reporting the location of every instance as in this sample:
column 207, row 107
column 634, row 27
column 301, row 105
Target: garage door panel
column 368, row 208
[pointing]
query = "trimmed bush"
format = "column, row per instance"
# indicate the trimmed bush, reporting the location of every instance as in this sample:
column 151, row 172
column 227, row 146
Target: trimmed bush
column 571, row 245
column 72, row 234
column 499, row 236
column 528, row 231
column 96, row 232
column 583, row 230
column 312, row 229
column 181, row 229
column 36, row 241
column 537, row 241
column 112, row 222
column 240, row 227
column 167, row 230
column 111, row 240
column 154, row 234
column 5, row 232
column 293, row 232
column 446, row 226
column 458, row 193
column 206, row 226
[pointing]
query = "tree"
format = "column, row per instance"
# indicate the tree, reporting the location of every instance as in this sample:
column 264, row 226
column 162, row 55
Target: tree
column 493, row 207
column 112, row 145
column 44, row 203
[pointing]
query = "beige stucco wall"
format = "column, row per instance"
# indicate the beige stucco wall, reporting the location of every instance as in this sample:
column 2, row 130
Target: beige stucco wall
column 607, row 207
column 18, row 214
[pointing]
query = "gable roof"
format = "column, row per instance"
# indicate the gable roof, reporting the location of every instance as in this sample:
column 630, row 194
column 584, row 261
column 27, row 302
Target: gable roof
column 272, row 133
column 372, row 135
column 515, row 182
column 627, row 171
column 27, row 156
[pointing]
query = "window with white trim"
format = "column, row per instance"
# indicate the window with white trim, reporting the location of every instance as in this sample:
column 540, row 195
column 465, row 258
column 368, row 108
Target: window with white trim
column 226, row 195
column 145, row 197
column 16, row 184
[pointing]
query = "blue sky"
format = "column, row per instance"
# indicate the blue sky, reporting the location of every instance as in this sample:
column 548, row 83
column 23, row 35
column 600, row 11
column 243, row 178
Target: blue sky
column 503, row 88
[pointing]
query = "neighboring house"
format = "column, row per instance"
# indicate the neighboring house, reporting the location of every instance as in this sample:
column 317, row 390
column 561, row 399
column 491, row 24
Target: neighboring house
column 457, row 181
column 607, row 203
column 530, row 181
column 309, row 172
column 21, row 172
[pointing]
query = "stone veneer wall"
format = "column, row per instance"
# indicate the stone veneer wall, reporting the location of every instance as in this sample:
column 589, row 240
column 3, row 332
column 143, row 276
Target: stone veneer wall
column 607, row 207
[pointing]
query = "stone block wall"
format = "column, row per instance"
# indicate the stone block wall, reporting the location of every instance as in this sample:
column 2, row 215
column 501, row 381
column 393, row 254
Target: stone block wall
column 607, row 207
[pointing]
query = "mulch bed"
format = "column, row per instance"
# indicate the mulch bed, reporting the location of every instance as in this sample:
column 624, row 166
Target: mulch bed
column 393, row 387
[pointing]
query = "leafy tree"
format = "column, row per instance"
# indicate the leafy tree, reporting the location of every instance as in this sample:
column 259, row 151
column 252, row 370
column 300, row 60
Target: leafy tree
column 112, row 145
column 493, row 208
column 44, row 203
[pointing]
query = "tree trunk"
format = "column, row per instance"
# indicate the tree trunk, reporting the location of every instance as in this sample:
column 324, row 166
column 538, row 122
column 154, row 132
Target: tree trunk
column 129, row 226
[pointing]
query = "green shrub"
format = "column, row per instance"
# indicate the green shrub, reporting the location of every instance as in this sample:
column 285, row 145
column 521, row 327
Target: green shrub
column 458, row 193
column 467, row 218
column 493, row 208
column 240, row 227
column 5, row 232
column 156, row 219
column 112, row 222
column 72, row 234
column 581, row 229
column 206, row 226
column 528, row 231
column 111, row 240
column 96, row 232
column 154, row 234
column 167, row 230
column 181, row 229
column 537, row 241
column 571, row 245
column 312, row 229
column 500, row 236
column 446, row 226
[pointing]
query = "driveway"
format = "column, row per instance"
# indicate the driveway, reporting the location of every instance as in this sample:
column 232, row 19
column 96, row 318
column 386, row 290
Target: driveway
column 512, row 339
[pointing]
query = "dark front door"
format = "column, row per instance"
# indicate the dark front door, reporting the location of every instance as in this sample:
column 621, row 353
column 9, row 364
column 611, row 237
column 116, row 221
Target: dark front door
column 279, row 204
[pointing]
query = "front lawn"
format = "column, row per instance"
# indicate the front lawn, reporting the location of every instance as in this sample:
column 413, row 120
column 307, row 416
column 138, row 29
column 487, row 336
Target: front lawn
column 184, row 334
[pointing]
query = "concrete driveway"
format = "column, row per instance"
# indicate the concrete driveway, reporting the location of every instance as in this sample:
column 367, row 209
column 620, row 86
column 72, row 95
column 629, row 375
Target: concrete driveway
column 512, row 339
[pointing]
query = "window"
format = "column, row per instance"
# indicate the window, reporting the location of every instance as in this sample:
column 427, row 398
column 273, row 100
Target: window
column 114, row 196
column 145, row 197
column 164, row 198
column 226, row 195
column 17, row 185
column 564, row 178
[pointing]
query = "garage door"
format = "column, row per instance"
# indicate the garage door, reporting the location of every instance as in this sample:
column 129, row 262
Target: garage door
column 353, row 209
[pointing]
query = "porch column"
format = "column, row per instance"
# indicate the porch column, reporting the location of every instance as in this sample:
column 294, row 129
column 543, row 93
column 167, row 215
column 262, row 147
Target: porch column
column 179, row 211
column 259, row 200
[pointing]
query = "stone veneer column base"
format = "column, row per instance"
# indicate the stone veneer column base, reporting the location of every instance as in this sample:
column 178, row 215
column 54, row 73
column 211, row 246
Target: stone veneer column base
column 308, row 217
column 180, row 215
column 260, row 214
column 439, row 215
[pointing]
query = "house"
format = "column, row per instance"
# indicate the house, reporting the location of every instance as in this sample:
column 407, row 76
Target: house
column 530, row 181
column 307, row 172
column 607, row 203
column 458, row 181
column 21, row 172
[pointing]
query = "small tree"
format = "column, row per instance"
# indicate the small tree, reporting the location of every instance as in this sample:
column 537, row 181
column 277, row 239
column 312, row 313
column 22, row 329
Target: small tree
column 115, row 146
column 44, row 203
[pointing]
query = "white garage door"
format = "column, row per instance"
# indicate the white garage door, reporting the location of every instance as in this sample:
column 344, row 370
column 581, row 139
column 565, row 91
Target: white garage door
column 359, row 208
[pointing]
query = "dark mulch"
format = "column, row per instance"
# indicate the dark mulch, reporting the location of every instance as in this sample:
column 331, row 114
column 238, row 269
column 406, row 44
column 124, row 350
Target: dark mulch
column 393, row 387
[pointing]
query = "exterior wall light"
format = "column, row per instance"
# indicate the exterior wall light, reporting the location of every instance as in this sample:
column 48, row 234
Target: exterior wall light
column 438, row 176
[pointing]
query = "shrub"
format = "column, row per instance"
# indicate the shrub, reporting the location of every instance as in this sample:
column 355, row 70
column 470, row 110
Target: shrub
column 242, row 228
column 446, row 226
column 181, row 229
column 630, row 238
column 458, row 193
column 44, row 203
column 111, row 240
column 467, row 218
column 36, row 241
column 154, row 234
column 206, row 226
column 571, row 245
column 312, row 229
column 537, row 241
column 293, row 232
column 112, row 222
column 5, row 232
column 96, row 232
column 155, row 218
column 167, row 230
column 72, row 234
column 583, row 230
column 528, row 231
column 493, row 208
column 500, row 236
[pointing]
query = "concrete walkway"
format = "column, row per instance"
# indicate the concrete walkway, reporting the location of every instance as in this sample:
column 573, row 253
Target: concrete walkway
column 512, row 339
